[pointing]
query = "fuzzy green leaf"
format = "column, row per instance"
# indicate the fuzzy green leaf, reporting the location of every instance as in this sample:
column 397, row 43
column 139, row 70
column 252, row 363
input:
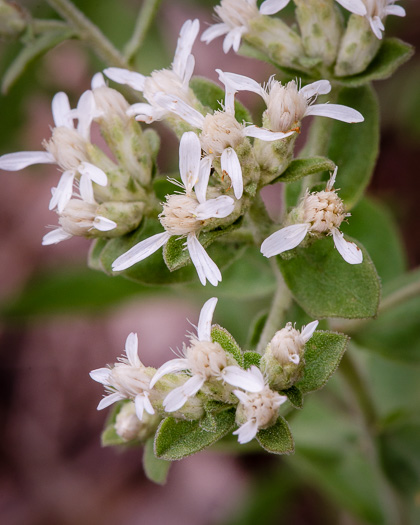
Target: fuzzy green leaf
column 155, row 469
column 327, row 286
column 300, row 168
column 109, row 436
column 251, row 358
column 210, row 95
column 323, row 353
column 277, row 439
column 31, row 52
column 227, row 342
column 294, row 395
column 178, row 439
column 354, row 147
column 391, row 55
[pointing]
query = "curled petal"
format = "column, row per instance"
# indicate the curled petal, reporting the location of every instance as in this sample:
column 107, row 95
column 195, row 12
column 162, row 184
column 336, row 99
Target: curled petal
column 22, row 159
column 349, row 251
column 103, row 224
column 55, row 236
column 86, row 189
column 214, row 31
column 233, row 39
column 109, row 400
column 94, row 173
column 320, row 87
column 266, row 134
column 187, row 36
column 232, row 167
column 243, row 83
column 63, row 192
column 86, row 112
column 354, row 6
column 247, row 431
column 97, row 81
column 294, row 358
column 124, row 76
column 140, row 251
column 203, row 179
column 170, row 367
column 229, row 92
column 284, row 239
column 204, row 322
column 146, row 112
column 131, row 347
column 377, row 26
column 250, row 380
column 101, row 375
column 189, row 70
column 205, row 266
column 180, row 108
column 189, row 159
column 179, row 396
column 61, row 111
column 271, row 7
column 308, row 331
column 395, row 10
column 331, row 181
column 220, row 208
column 335, row 111
column 147, row 404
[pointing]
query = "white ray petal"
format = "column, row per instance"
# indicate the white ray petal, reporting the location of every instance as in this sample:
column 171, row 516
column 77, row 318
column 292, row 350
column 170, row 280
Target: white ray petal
column 189, row 70
column 94, row 173
column 377, row 26
column 270, row 7
column 63, row 192
column 320, row 87
column 180, row 108
column 219, row 208
column 86, row 112
column 335, row 111
column 124, row 76
column 55, row 236
column 179, row 396
column 243, row 83
column 349, row 251
column 131, row 349
column 101, row 375
column 233, row 39
column 294, row 358
column 193, row 385
column 170, row 367
column 205, row 266
column 246, row 432
column 109, row 400
column 147, row 404
column 284, row 239
column 139, row 404
column 187, row 36
column 103, row 224
column 308, row 330
column 213, row 32
column 242, row 396
column 146, row 112
column 140, row 251
column 265, row 134
column 189, row 159
column 86, row 189
column 354, row 6
column 98, row 81
column 231, row 166
column 204, row 322
column 61, row 111
column 22, row 159
column 203, row 179
column 395, row 10
column 229, row 92
column 250, row 380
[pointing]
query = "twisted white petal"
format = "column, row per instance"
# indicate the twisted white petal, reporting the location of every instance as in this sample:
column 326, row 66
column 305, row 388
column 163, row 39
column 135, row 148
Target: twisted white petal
column 284, row 239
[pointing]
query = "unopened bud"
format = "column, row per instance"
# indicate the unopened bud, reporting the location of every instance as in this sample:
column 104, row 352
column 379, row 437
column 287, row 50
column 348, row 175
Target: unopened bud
column 126, row 215
column 13, row 20
column 129, row 427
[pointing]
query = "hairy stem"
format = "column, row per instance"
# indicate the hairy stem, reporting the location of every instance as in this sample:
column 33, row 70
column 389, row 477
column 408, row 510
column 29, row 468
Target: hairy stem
column 144, row 20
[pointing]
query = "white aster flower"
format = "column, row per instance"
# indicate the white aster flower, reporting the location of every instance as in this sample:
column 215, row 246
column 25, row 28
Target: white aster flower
column 186, row 214
column 375, row 11
column 127, row 379
column 235, row 16
column 67, row 148
column 221, row 133
column 288, row 343
column 258, row 408
column 174, row 81
column 287, row 105
column 321, row 212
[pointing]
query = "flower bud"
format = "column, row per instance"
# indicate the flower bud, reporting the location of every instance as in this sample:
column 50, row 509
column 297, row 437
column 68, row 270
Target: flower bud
column 12, row 20
column 129, row 427
column 127, row 216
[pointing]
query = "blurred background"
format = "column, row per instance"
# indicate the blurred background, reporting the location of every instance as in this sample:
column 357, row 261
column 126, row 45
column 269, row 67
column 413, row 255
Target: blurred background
column 60, row 320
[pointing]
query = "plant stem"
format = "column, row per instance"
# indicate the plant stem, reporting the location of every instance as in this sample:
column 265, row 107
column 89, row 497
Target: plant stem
column 89, row 32
column 145, row 18
column 41, row 26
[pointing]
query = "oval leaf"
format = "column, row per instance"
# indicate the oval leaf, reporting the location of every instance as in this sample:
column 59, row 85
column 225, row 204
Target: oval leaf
column 277, row 439
column 155, row 469
column 227, row 342
column 300, row 168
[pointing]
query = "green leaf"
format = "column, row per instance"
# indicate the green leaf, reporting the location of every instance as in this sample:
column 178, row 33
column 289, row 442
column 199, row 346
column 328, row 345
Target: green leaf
column 327, row 286
column 277, row 439
column 300, row 168
column 323, row 353
column 395, row 334
column 251, row 358
column 109, row 436
column 163, row 187
column 31, row 52
column 256, row 329
column 354, row 147
column 179, row 439
column 391, row 55
column 227, row 342
column 380, row 238
column 155, row 469
column 210, row 95
column 294, row 395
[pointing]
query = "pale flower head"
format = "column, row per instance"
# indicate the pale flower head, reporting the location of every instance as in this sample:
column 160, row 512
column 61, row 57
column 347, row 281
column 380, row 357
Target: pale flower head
column 288, row 344
column 129, row 427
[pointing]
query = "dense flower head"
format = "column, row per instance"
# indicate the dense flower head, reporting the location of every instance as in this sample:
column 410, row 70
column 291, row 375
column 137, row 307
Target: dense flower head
column 220, row 131
column 179, row 215
column 286, row 105
column 205, row 358
column 324, row 210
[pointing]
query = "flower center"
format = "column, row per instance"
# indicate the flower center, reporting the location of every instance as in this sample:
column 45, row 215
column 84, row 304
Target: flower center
column 262, row 407
column 237, row 13
column 164, row 81
column 77, row 217
column 67, row 147
column 376, row 8
column 178, row 215
column 286, row 106
column 324, row 210
column 206, row 359
column 129, row 381
column 286, row 342
column 220, row 131
column 111, row 103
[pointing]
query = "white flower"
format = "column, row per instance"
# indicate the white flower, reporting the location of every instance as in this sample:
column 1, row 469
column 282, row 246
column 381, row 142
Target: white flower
column 174, row 81
column 235, row 16
column 126, row 380
column 321, row 212
column 67, row 148
column 78, row 217
column 288, row 343
column 185, row 214
column 287, row 105
column 375, row 11
column 258, row 408
column 221, row 133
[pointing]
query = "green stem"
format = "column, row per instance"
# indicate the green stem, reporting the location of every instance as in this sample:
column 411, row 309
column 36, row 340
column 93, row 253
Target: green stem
column 145, row 18
column 41, row 26
column 260, row 220
column 89, row 33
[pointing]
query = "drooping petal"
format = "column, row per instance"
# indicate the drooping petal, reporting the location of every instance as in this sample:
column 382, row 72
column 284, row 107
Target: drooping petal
column 354, row 6
column 189, row 70
column 147, row 404
column 179, row 396
column 63, row 192
column 189, row 159
column 395, row 10
column 320, row 87
column 349, row 251
column 22, row 159
column 377, row 26
column 331, row 181
column 308, row 330
column 231, row 166
column 140, row 251
column 204, row 322
column 180, row 108
column 61, row 111
column 250, row 380
column 247, row 431
column 294, row 358
column 243, row 83
column 265, row 134
column 229, row 92
column 203, row 179
column 131, row 349
column 146, row 112
column 187, row 36
column 270, row 7
column 94, row 173
column 284, row 239
column 335, row 111
column 219, row 208
column 205, row 266
column 139, row 404
column 86, row 189
column 170, row 367
column 97, row 81
column 103, row 224
column 55, row 236
column 86, row 112
column 233, row 39
column 101, row 375
column 214, row 31
column 124, row 76
column 109, row 400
